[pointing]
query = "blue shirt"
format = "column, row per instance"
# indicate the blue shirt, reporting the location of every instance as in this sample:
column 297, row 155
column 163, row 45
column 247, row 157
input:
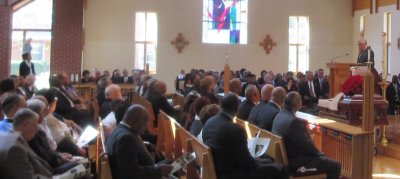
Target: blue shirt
column 5, row 125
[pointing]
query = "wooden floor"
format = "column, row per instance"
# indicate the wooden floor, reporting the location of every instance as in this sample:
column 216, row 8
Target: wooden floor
column 386, row 167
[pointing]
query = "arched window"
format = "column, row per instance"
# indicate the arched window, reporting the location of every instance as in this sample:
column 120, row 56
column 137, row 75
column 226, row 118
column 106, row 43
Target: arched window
column 33, row 21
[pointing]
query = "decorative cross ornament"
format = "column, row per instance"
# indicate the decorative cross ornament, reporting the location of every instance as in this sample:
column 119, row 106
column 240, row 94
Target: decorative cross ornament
column 180, row 42
column 268, row 44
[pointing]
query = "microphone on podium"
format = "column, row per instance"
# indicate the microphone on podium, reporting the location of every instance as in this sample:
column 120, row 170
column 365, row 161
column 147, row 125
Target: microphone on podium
column 347, row 54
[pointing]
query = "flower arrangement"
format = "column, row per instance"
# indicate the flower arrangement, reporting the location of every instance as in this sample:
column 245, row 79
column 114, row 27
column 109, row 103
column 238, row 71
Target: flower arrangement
column 353, row 85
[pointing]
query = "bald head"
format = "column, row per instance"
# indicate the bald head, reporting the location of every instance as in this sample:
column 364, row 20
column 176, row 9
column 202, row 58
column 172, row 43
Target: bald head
column 137, row 117
column 278, row 94
column 252, row 93
column 235, row 86
column 266, row 92
column 113, row 92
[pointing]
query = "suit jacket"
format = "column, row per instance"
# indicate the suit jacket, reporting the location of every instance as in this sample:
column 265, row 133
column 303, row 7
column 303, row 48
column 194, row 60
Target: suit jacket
column 244, row 109
column 304, row 91
column 17, row 160
column 196, row 127
column 122, row 79
column 24, row 69
column 391, row 93
column 363, row 56
column 25, row 91
column 300, row 148
column 228, row 143
column 158, row 101
column 116, row 80
column 128, row 156
column 254, row 117
column 64, row 103
column 264, row 115
column 323, row 87
column 42, row 148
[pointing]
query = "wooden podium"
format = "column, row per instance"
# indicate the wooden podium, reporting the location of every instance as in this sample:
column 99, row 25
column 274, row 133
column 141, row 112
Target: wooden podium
column 339, row 72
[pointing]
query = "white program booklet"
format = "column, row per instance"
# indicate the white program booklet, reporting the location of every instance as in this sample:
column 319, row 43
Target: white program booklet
column 258, row 146
column 182, row 161
column 88, row 135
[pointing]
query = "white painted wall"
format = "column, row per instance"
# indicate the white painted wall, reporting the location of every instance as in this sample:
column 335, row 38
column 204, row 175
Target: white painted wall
column 109, row 35
column 373, row 34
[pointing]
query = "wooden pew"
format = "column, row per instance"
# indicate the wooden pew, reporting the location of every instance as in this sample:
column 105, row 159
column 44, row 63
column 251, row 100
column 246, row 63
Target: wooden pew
column 137, row 99
column 251, row 130
column 166, row 135
column 102, row 163
column 183, row 146
column 204, row 159
column 277, row 151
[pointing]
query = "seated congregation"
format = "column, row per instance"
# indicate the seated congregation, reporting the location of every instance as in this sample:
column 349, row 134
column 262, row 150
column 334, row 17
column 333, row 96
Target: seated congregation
column 40, row 127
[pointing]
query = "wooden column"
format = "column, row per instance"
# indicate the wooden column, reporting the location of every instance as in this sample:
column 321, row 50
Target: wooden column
column 227, row 75
column 368, row 125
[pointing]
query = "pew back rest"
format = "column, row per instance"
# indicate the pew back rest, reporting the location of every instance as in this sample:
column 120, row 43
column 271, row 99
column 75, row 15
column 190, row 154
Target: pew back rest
column 104, row 170
column 166, row 134
column 276, row 148
column 204, row 159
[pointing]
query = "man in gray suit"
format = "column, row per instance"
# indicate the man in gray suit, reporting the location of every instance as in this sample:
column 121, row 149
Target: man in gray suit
column 17, row 160
column 300, row 149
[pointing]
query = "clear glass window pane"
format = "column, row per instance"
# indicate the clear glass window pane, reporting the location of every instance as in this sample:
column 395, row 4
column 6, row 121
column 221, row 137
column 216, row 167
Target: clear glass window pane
column 139, row 56
column 293, row 30
column 362, row 23
column 151, row 57
column 140, row 30
column 151, row 28
column 303, row 59
column 35, row 15
column 292, row 58
column 303, row 30
column 16, row 51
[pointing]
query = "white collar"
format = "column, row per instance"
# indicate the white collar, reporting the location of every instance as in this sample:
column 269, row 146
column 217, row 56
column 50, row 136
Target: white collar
column 273, row 102
column 197, row 117
column 125, row 124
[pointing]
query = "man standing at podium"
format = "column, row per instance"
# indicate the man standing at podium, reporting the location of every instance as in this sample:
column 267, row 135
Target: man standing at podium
column 363, row 55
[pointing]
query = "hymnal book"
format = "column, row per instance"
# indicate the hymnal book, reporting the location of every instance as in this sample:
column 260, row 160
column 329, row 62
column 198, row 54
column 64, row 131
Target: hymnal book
column 258, row 146
column 88, row 135
column 182, row 161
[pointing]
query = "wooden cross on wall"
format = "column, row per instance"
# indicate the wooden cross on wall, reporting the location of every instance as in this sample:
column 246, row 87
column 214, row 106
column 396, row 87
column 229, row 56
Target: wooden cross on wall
column 180, row 42
column 268, row 44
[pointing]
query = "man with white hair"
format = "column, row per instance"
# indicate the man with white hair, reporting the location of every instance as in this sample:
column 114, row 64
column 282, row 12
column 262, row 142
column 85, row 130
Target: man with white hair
column 28, row 88
column 363, row 52
column 112, row 92
column 17, row 159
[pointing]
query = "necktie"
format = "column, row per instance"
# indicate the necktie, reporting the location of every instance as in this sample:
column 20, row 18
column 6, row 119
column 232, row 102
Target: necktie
column 311, row 89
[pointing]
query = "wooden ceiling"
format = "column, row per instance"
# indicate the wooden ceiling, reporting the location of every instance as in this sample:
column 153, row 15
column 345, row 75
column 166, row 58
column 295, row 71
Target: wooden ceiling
column 368, row 4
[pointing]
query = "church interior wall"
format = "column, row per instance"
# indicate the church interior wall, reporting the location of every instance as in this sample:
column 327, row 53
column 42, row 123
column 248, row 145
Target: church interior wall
column 109, row 35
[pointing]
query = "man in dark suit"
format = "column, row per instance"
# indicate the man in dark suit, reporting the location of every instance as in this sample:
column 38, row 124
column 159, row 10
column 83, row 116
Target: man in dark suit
column 26, row 67
column 255, row 113
column 112, row 93
column 17, row 159
column 309, row 90
column 300, row 149
column 271, row 109
column 252, row 99
column 393, row 95
column 364, row 50
column 67, row 107
column 323, row 84
column 127, row 153
column 228, row 143
column 125, row 77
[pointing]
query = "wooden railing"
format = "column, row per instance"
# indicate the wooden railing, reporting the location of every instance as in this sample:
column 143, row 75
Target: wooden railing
column 342, row 142
column 88, row 91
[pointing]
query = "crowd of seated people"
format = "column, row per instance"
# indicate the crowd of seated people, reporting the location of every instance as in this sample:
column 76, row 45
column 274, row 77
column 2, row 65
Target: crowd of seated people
column 38, row 141
column 60, row 115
